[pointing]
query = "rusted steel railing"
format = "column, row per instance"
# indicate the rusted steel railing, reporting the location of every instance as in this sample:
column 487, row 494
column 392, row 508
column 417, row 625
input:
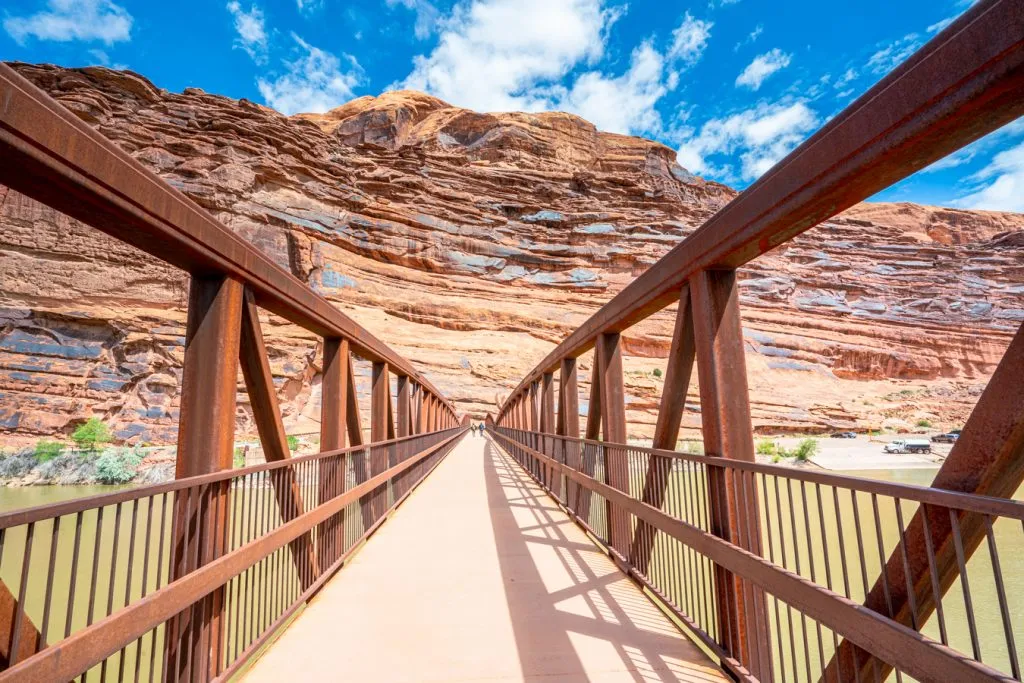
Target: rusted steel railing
column 96, row 573
column 823, row 536
column 966, row 82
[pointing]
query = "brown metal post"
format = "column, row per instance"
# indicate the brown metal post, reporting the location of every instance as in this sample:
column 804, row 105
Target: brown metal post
column 547, row 422
column 352, row 416
column 380, row 426
column 613, row 423
column 333, row 404
column 333, row 426
column 206, row 431
column 403, row 412
column 666, row 430
column 568, row 400
column 725, row 416
column 568, row 422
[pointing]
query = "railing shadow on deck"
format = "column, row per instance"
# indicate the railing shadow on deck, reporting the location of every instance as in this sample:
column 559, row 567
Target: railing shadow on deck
column 574, row 614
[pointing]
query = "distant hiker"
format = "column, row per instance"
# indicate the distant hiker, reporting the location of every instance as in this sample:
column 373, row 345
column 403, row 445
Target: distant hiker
column 473, row 427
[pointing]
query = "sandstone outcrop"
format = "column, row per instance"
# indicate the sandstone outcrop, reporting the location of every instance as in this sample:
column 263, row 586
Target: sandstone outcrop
column 472, row 243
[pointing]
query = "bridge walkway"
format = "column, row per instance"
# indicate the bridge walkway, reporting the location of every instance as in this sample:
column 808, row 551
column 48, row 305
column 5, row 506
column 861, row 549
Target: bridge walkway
column 479, row 576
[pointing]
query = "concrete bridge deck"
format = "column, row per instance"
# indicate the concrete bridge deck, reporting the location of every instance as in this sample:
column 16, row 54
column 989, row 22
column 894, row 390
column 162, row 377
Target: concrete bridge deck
column 481, row 577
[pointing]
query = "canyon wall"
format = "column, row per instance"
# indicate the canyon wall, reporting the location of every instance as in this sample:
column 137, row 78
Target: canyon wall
column 472, row 243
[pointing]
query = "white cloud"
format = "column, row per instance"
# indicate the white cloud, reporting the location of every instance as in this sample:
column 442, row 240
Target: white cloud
column 762, row 67
column 309, row 6
column 939, row 25
column 761, row 136
column 315, row 82
column 1000, row 185
column 499, row 55
column 892, row 55
column 252, row 31
column 426, row 15
column 633, row 95
column 848, row 77
column 495, row 55
column 751, row 38
column 66, row 20
column 690, row 40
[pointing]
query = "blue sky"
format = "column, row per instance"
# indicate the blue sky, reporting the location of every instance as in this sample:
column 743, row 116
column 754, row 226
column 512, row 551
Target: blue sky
column 733, row 85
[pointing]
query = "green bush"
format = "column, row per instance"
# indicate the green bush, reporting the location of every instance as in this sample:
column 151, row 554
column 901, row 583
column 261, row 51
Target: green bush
column 657, row 372
column 117, row 466
column 924, row 424
column 47, row 450
column 91, row 435
column 805, row 450
column 766, row 447
column 293, row 442
column 239, row 458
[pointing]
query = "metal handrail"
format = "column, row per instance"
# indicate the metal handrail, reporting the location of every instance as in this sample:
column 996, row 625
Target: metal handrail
column 878, row 634
column 968, row 502
column 38, row 513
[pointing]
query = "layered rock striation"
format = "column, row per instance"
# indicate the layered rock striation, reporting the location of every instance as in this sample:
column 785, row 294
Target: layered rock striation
column 472, row 243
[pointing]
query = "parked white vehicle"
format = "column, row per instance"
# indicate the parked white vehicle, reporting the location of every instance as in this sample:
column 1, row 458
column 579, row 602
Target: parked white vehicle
column 908, row 446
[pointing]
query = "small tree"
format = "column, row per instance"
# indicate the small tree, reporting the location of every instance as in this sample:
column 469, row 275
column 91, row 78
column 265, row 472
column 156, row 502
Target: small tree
column 293, row 442
column 657, row 372
column 805, row 450
column 91, row 435
column 47, row 450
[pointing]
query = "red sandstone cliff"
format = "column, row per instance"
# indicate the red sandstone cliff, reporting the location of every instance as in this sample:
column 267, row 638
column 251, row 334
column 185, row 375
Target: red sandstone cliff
column 472, row 243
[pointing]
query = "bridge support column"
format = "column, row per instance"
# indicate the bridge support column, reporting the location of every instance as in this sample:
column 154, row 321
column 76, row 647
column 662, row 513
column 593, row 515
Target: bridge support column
column 608, row 354
column 206, row 431
column 333, row 424
column 547, row 425
column 725, row 414
column 403, row 412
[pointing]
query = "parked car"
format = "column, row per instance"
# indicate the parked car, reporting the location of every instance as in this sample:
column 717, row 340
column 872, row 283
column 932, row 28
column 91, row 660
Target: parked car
column 945, row 438
column 844, row 435
column 908, row 446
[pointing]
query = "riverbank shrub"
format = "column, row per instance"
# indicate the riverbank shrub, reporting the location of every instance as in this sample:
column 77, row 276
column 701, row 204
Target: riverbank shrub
column 805, row 450
column 91, row 435
column 766, row 447
column 117, row 466
column 924, row 424
column 46, row 450
column 293, row 442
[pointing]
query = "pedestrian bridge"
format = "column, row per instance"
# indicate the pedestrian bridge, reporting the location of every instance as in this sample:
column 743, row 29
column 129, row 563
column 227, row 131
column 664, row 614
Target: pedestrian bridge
column 505, row 588
column 548, row 549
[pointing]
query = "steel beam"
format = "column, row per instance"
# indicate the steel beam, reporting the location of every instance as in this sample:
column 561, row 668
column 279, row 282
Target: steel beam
column 666, row 430
column 266, row 413
column 608, row 358
column 965, row 83
column 206, row 430
column 333, row 424
column 568, row 400
column 403, row 412
column 725, row 414
column 14, row 620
